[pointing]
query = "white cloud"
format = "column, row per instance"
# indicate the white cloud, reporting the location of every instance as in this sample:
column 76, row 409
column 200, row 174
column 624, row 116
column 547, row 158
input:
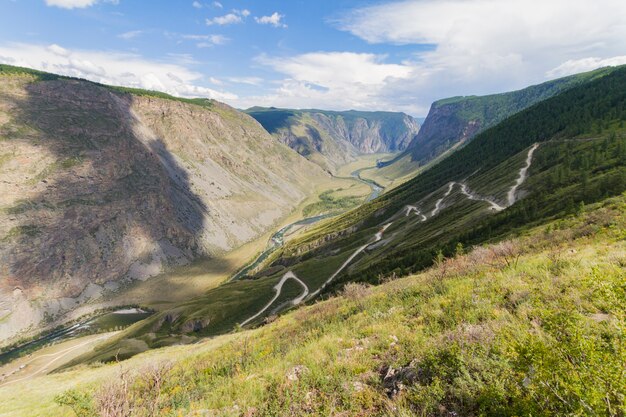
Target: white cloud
column 472, row 23
column 76, row 4
column 337, row 69
column 275, row 19
column 215, row 81
column 195, row 37
column 218, row 39
column 227, row 19
column 485, row 46
column 182, row 59
column 115, row 68
column 207, row 41
column 130, row 35
column 246, row 80
column 237, row 16
column 574, row 66
column 58, row 50
column 332, row 80
column 199, row 5
column 71, row 4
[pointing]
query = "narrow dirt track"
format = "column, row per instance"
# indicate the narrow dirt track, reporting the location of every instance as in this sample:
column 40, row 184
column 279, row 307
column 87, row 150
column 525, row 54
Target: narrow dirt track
column 523, row 173
column 278, row 289
column 55, row 358
column 305, row 294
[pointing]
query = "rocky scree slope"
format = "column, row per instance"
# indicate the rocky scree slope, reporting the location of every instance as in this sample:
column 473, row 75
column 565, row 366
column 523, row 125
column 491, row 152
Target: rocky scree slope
column 99, row 187
column 333, row 138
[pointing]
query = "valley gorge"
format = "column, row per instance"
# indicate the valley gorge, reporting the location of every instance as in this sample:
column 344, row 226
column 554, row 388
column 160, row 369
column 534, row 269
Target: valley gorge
column 332, row 139
column 171, row 256
column 101, row 188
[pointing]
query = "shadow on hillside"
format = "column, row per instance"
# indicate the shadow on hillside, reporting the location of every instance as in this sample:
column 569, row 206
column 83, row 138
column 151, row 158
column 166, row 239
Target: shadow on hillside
column 116, row 203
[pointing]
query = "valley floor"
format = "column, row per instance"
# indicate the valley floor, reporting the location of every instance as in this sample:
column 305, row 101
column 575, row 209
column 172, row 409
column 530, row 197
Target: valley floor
column 402, row 169
column 529, row 326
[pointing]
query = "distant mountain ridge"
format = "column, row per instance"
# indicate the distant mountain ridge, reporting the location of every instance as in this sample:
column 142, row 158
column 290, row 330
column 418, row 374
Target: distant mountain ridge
column 332, row 138
column 453, row 121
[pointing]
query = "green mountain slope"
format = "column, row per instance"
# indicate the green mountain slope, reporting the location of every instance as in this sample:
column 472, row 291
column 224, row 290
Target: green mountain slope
column 541, row 164
column 532, row 326
column 454, row 121
column 332, row 138
column 590, row 109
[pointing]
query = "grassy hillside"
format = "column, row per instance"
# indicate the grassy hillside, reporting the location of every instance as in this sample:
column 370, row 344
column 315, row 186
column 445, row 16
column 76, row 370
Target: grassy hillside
column 454, row 121
column 596, row 109
column 531, row 326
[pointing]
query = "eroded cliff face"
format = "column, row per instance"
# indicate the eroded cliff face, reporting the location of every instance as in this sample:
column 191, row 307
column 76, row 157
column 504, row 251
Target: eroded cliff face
column 332, row 139
column 98, row 188
column 370, row 134
column 315, row 143
column 443, row 128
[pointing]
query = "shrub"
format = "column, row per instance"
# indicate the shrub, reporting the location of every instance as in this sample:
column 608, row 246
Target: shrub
column 80, row 402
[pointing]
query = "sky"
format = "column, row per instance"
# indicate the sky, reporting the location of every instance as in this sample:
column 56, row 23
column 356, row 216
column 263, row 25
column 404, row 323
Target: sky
column 328, row 54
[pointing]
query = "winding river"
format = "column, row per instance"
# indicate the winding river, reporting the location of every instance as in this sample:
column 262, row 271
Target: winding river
column 376, row 188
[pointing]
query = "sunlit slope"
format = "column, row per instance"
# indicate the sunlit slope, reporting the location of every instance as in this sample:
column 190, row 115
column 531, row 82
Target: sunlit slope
column 101, row 187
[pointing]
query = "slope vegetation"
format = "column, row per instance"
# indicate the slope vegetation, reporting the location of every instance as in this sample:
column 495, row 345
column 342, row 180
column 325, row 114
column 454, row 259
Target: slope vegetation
column 580, row 133
column 541, row 164
column 533, row 325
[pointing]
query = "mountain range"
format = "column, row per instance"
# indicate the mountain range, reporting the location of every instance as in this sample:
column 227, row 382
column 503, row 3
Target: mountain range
column 536, row 166
column 452, row 122
column 486, row 280
column 331, row 138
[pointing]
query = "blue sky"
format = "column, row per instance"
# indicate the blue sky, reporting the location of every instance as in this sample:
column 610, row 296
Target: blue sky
column 341, row 54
